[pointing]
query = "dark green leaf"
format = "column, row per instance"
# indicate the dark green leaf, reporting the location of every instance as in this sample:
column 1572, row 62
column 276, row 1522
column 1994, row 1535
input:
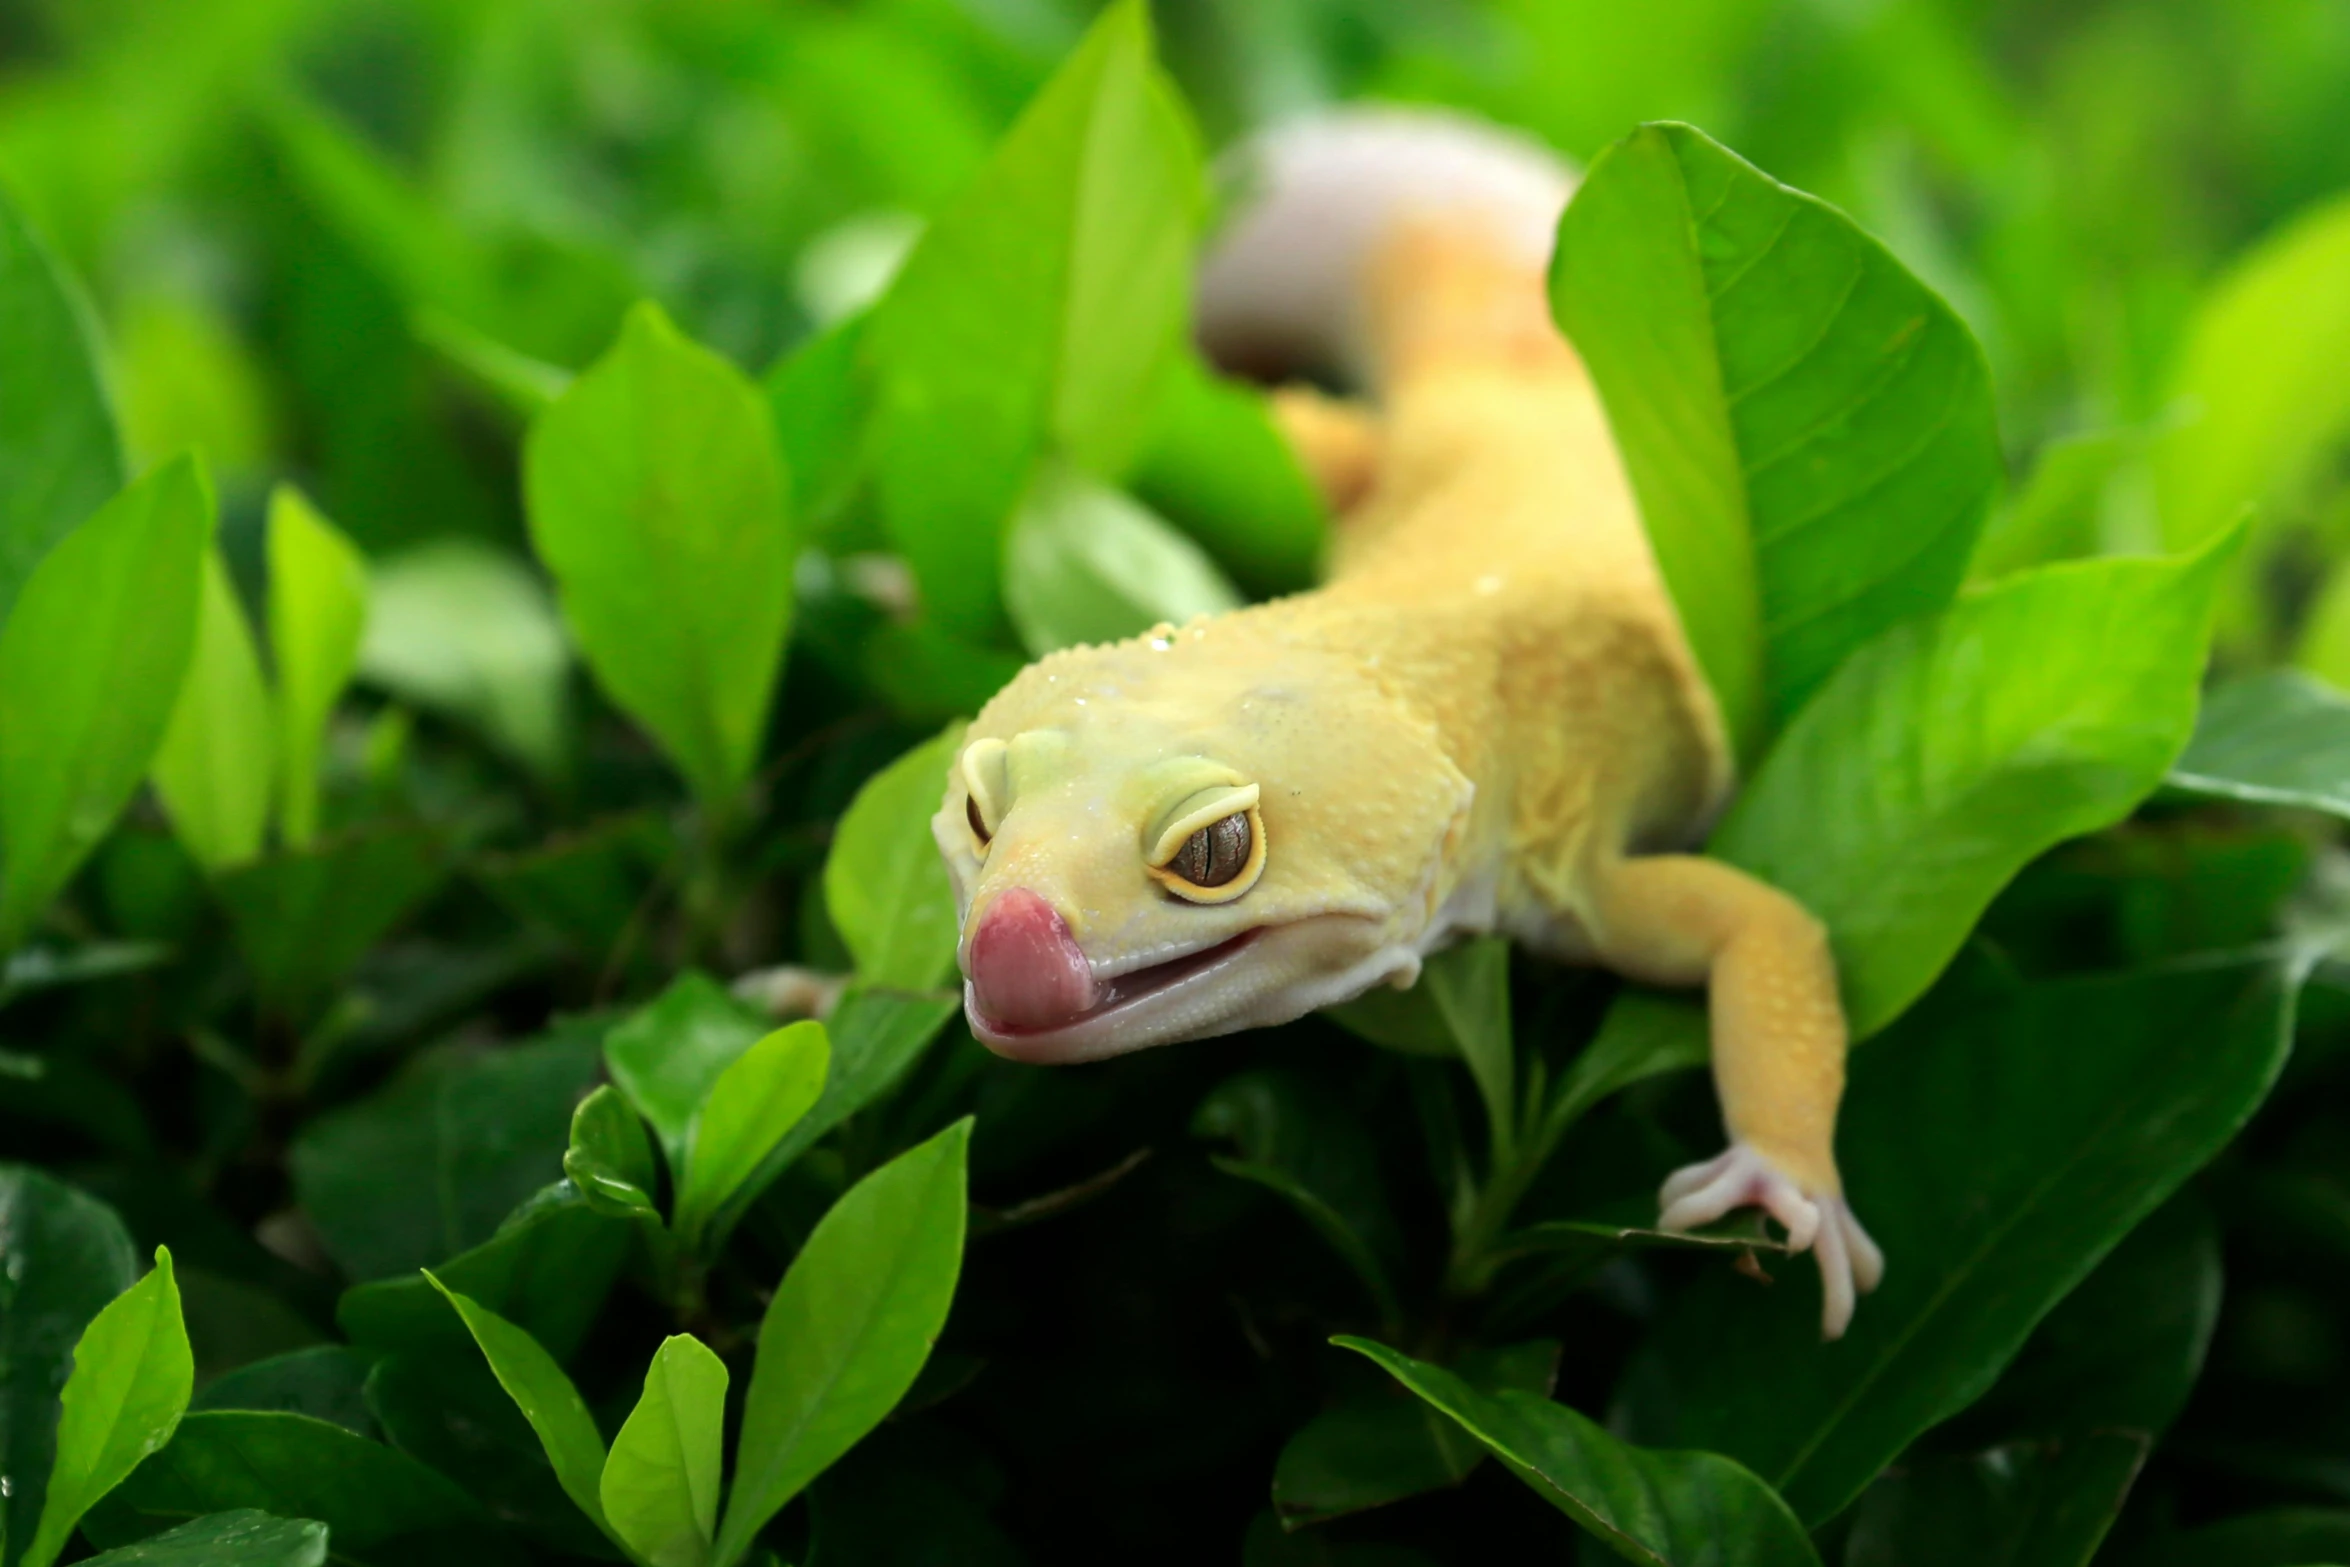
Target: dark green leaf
column 1366, row 1452
column 1667, row 1508
column 218, row 758
column 660, row 1486
column 375, row 1501
column 609, row 1158
column 2027, row 1504
column 91, row 661
column 1950, row 751
column 326, row 1382
column 848, row 1329
column 2107, row 1093
column 1213, row 464
column 756, row 1100
column 304, row 919
column 884, row 883
column 2279, row 738
column 434, row 1163
column 60, row 457
column 1036, row 312
column 547, row 1270
column 1460, row 1006
column 63, row 1256
column 1086, row 563
column 2285, row 1537
column 1809, row 429
column 658, row 501
column 588, row 889
column 242, row 1538
column 666, row 1055
column 545, row 1396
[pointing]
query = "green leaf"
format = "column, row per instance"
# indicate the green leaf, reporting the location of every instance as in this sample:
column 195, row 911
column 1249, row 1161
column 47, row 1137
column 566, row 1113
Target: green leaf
column 848, row 1329
column 821, row 403
column 884, row 884
column 1213, row 464
column 2107, row 1093
column 2257, row 380
column 1948, row 753
column 132, row 1374
column 459, row 628
column 1460, row 1006
column 1368, row 1452
column 877, row 1036
column 660, row 1486
column 1035, row 313
column 60, row 457
column 433, row 1162
column 2023, row 1504
column 524, row 384
column 214, row 767
column 242, row 1538
column 379, row 1505
column 326, row 1381
column 609, row 1157
column 757, row 1099
column 2281, row 1537
column 91, row 663
column 666, row 1055
column 63, row 1256
column 545, row 1396
column 547, row 1270
column 1807, row 426
column 1086, row 563
column 304, row 918
column 657, row 499
column 2053, row 516
column 2278, row 738
column 1665, row 1508
column 317, row 614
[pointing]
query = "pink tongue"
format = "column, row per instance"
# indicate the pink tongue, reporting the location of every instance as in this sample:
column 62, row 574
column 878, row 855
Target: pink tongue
column 1026, row 971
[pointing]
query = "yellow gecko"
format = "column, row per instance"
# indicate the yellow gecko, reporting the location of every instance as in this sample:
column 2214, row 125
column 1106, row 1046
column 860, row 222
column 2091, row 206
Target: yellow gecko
column 1488, row 719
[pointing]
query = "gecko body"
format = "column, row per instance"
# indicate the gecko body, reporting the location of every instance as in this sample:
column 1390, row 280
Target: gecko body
column 1488, row 718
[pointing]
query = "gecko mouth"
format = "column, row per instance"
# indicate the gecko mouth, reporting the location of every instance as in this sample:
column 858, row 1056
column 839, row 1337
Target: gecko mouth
column 1054, row 1041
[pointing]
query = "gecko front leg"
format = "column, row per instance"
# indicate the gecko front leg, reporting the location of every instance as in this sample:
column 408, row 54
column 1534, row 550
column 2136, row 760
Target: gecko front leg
column 1778, row 1051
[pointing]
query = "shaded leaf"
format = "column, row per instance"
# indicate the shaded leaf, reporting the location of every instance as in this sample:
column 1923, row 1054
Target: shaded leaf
column 1660, row 1507
column 849, row 1328
column 658, row 501
column 1213, row 464
column 545, row 1396
column 1460, row 1006
column 1086, row 563
column 2279, row 738
column 91, row 662
column 244, row 1537
column 660, row 1486
column 2026, row 1504
column 304, row 918
column 666, row 1055
column 2283, row 1537
column 326, row 1382
column 1808, row 427
column 877, row 1036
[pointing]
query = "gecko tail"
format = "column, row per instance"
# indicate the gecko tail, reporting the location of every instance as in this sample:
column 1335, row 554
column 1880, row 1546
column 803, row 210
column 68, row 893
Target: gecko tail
column 1367, row 244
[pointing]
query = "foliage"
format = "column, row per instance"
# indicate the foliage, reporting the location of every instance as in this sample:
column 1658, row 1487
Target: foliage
column 505, row 508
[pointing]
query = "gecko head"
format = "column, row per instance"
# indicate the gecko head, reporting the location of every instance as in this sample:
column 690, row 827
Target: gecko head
column 1186, row 834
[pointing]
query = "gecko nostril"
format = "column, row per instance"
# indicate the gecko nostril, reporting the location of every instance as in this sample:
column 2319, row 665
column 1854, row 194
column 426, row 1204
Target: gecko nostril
column 1026, row 970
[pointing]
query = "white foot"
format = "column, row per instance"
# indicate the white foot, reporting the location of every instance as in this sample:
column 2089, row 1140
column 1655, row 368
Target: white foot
column 1850, row 1264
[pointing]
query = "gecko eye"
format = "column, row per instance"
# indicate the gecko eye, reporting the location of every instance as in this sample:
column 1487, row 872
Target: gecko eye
column 1211, row 848
column 979, row 833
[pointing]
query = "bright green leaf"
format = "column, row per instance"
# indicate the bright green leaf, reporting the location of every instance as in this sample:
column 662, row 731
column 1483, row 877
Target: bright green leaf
column 1036, row 312
column 1086, row 563
column 317, row 614
column 667, row 1054
column 2053, row 516
column 2107, row 1093
column 821, row 403
column 245, row 1537
column 214, row 768
column 658, row 500
column 63, row 1256
column 877, row 1036
column 91, row 664
column 1808, row 427
column 660, row 1485
column 132, row 1374
column 609, row 1157
column 1948, row 753
column 849, row 1328
column 546, row 1398
column 2278, row 738
column 1214, row 464
column 60, row 457
column 1664, row 1508
column 884, row 883
column 2258, row 383
column 466, row 630
column 760, row 1096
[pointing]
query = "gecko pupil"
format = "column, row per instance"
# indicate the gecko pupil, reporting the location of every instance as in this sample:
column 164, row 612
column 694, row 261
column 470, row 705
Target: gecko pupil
column 1216, row 853
column 971, row 814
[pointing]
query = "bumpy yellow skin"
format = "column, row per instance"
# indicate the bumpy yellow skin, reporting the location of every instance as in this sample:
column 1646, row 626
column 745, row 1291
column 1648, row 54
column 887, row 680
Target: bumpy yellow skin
column 1488, row 719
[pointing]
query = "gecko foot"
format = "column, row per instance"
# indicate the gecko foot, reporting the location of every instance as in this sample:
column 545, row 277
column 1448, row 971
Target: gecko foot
column 1820, row 1222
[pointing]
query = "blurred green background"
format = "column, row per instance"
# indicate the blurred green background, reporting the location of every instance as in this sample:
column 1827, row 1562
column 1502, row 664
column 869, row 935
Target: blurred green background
column 263, row 194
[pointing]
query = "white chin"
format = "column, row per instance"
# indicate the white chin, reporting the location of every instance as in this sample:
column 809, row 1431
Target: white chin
column 1282, row 972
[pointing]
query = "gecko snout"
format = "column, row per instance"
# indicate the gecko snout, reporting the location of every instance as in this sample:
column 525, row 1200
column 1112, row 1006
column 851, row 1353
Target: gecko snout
column 1025, row 968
